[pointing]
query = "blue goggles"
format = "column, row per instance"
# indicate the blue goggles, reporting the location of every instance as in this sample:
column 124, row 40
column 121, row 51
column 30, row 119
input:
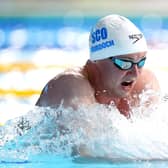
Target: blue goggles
column 127, row 64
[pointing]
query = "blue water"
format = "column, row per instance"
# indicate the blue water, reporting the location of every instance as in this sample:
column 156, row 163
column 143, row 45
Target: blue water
column 55, row 161
column 142, row 142
column 51, row 161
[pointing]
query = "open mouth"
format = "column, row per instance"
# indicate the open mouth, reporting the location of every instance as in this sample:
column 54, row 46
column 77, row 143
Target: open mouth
column 127, row 83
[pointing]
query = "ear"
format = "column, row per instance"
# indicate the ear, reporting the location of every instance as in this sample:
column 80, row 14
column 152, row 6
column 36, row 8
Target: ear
column 91, row 68
column 93, row 74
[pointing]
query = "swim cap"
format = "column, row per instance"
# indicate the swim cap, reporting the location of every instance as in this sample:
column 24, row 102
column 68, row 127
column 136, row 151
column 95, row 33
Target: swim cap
column 115, row 35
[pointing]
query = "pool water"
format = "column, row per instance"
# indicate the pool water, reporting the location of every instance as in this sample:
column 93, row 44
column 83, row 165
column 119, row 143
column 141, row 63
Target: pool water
column 51, row 161
column 34, row 139
column 55, row 161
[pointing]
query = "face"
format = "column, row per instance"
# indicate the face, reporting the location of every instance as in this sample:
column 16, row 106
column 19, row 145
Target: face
column 118, row 82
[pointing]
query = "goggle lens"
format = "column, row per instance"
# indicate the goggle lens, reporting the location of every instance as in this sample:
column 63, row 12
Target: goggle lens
column 126, row 64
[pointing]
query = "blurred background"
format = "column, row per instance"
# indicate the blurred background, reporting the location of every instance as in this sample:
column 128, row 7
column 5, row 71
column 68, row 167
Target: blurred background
column 40, row 38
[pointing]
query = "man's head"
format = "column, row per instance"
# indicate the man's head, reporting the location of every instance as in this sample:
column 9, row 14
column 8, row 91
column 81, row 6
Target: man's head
column 115, row 35
column 119, row 49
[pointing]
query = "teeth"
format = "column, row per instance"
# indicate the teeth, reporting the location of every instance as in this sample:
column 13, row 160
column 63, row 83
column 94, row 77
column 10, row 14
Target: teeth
column 129, row 81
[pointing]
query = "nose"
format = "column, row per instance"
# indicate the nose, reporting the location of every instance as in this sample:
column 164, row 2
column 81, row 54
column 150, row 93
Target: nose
column 134, row 71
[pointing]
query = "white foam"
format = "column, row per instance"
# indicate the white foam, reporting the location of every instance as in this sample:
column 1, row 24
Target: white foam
column 99, row 130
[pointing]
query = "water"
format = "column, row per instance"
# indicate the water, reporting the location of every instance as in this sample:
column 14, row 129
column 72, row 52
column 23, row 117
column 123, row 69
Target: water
column 31, row 136
column 111, row 139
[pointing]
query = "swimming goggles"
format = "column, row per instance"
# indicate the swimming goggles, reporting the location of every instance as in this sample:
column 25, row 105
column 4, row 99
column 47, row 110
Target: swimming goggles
column 127, row 64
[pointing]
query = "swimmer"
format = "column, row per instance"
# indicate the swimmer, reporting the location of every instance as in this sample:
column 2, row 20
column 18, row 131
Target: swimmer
column 114, row 73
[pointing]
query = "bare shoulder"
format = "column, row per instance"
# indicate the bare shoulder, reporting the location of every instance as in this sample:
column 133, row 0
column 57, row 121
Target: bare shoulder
column 66, row 88
column 147, row 80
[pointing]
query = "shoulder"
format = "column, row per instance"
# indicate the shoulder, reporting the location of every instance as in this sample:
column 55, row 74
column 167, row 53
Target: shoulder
column 147, row 80
column 69, row 81
column 66, row 87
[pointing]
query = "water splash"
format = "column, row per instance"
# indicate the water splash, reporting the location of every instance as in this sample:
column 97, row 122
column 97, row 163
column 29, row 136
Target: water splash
column 97, row 131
